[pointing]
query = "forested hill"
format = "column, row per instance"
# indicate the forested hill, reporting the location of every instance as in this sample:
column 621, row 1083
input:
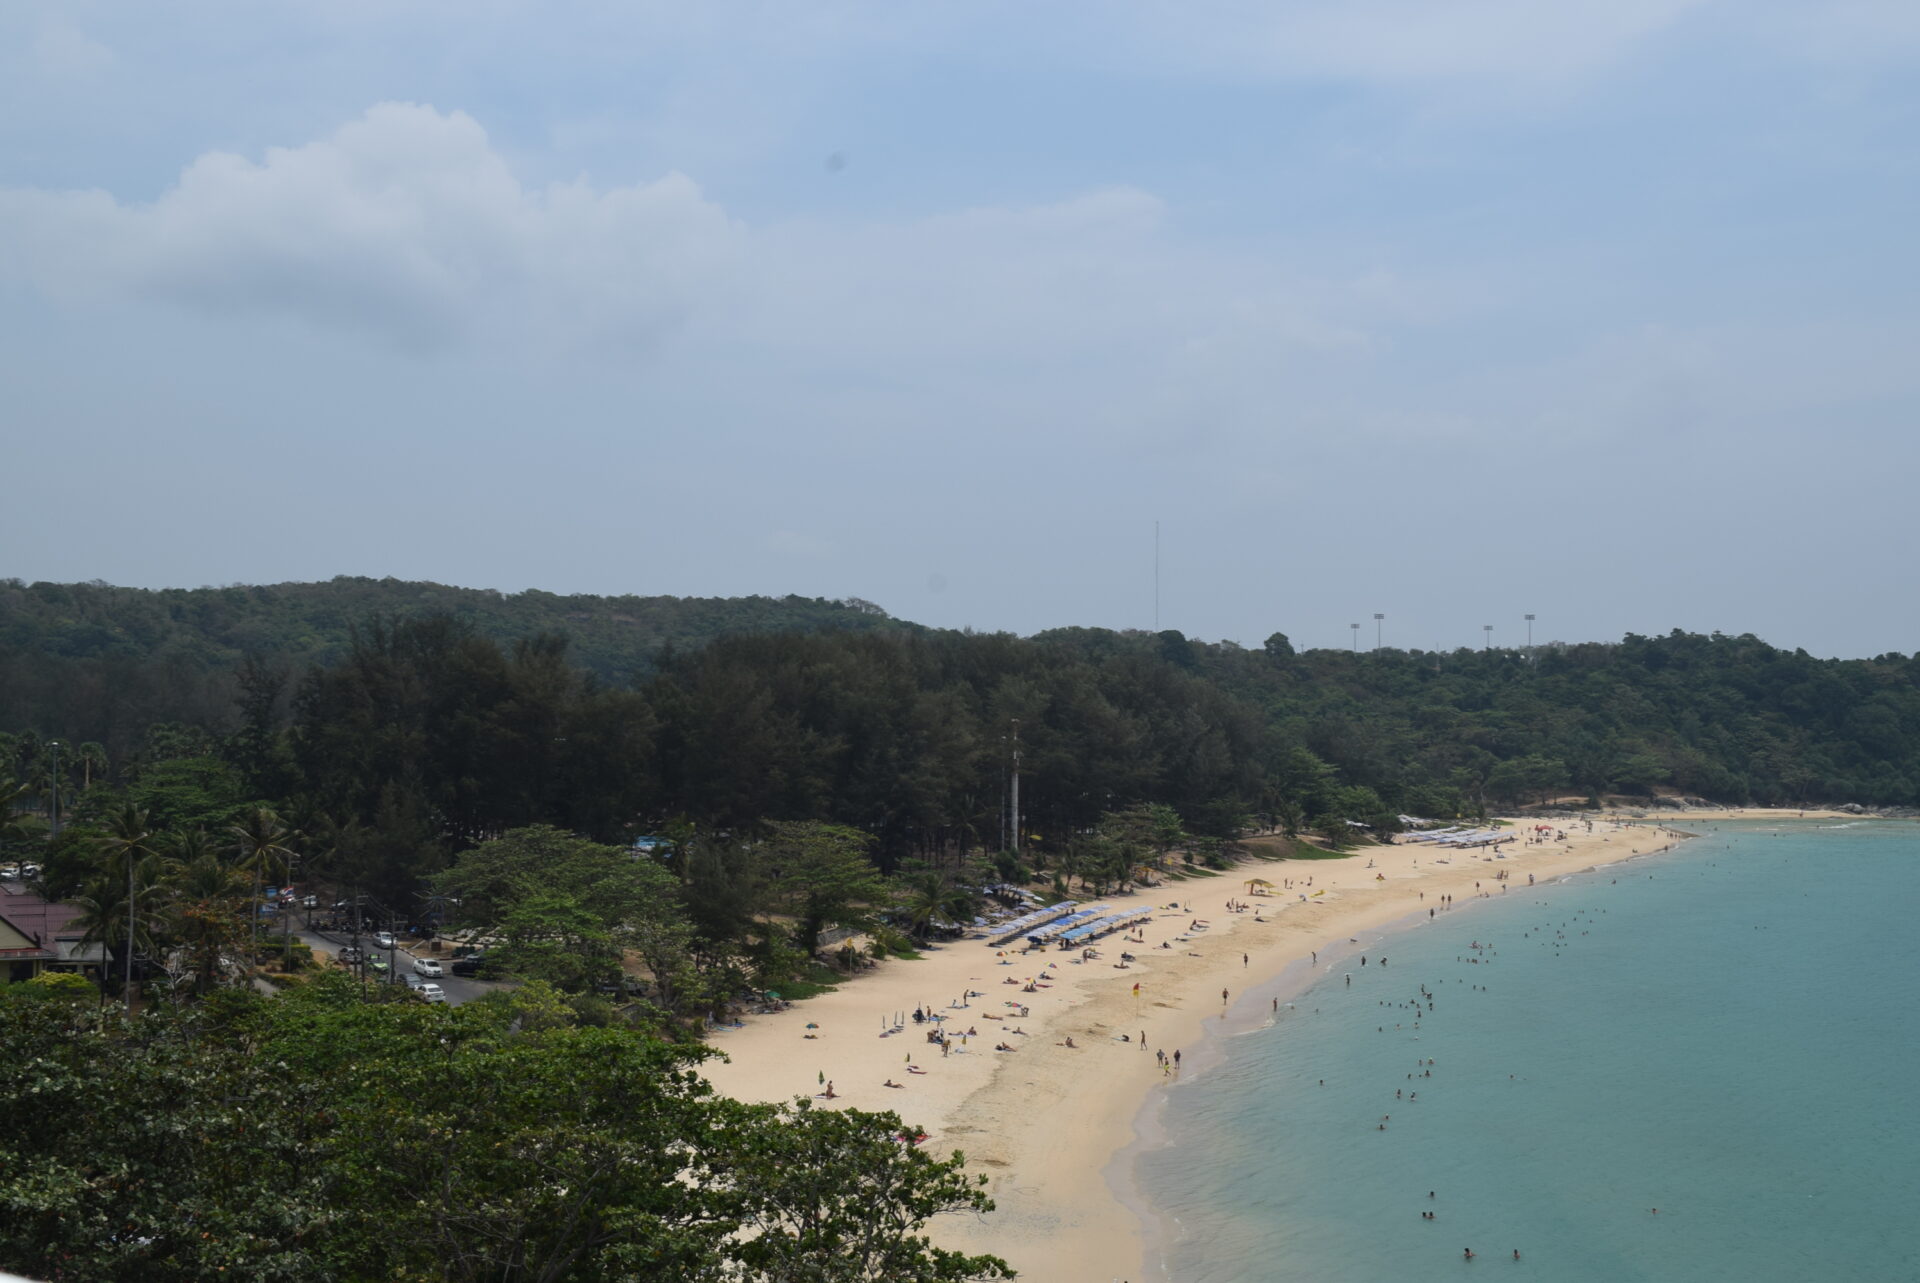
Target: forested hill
column 479, row 712
column 167, row 654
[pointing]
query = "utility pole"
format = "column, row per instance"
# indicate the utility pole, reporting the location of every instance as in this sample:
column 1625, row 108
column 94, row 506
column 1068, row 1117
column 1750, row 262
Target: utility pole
column 1377, row 626
column 131, row 863
column 1003, row 815
column 1015, row 848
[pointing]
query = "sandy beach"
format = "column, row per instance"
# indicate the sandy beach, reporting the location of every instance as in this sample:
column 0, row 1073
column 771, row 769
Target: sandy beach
column 1044, row 1121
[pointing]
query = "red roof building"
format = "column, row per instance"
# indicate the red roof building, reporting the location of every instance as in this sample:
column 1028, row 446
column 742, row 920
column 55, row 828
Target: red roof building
column 38, row 934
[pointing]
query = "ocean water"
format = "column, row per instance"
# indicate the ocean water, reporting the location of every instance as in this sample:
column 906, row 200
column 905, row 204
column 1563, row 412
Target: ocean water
column 1729, row 1033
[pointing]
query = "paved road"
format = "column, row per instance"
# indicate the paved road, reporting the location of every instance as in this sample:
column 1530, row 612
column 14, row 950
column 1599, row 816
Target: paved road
column 458, row 989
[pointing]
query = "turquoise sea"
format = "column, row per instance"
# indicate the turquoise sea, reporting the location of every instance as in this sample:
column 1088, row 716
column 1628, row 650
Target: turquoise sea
column 1729, row 1033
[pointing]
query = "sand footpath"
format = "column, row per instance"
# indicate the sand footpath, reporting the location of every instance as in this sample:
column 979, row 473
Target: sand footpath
column 1045, row 1120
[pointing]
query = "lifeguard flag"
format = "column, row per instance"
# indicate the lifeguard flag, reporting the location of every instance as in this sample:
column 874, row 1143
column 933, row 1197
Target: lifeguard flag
column 1136, row 988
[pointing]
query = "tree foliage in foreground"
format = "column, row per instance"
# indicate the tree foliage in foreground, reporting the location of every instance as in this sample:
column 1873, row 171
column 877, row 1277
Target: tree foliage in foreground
column 318, row 1137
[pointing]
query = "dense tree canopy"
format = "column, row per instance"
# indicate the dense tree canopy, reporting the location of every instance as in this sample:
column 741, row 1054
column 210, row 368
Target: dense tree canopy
column 320, row 1137
column 419, row 736
column 122, row 659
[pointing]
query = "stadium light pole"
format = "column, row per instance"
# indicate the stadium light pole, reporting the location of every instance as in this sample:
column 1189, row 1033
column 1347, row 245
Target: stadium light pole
column 1356, row 637
column 1529, row 632
column 1377, row 617
column 1488, row 629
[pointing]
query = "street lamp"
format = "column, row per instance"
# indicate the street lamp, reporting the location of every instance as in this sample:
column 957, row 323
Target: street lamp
column 1377, row 617
column 53, row 782
column 1356, row 637
column 1488, row 629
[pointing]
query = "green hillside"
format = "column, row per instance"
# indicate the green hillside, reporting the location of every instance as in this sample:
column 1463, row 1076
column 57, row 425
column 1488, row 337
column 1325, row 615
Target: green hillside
column 105, row 662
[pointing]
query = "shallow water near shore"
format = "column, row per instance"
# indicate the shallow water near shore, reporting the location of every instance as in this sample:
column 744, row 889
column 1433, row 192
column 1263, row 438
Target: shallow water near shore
column 1724, row 1033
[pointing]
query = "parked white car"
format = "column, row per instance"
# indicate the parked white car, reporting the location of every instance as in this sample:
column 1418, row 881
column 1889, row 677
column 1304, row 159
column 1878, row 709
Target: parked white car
column 431, row 991
column 427, row 967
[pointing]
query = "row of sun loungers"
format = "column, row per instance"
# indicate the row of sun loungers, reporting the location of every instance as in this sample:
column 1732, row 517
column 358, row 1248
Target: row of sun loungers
column 1054, row 930
column 1105, row 926
column 1006, row 931
column 1459, row 838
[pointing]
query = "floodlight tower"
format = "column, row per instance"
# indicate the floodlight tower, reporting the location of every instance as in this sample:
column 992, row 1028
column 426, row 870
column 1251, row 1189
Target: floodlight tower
column 1377, row 625
column 1488, row 629
column 1356, row 637
column 1529, row 632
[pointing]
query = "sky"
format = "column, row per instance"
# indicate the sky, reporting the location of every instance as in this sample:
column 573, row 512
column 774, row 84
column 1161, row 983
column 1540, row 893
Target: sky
column 1605, row 311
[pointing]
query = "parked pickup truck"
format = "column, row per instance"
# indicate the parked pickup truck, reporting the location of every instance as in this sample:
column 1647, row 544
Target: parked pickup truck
column 474, row 964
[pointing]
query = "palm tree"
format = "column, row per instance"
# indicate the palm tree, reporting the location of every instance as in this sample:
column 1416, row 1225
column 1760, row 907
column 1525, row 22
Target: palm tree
column 91, row 757
column 207, row 898
column 260, row 842
column 930, row 897
column 12, row 829
column 133, row 862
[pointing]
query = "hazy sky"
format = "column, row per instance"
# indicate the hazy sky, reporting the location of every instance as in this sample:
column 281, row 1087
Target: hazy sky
column 1606, row 310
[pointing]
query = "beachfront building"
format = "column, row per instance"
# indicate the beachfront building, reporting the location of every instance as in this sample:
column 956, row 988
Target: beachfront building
column 38, row 934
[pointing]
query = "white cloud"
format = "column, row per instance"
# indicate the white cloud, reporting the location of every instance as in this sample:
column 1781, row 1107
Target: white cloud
column 406, row 222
